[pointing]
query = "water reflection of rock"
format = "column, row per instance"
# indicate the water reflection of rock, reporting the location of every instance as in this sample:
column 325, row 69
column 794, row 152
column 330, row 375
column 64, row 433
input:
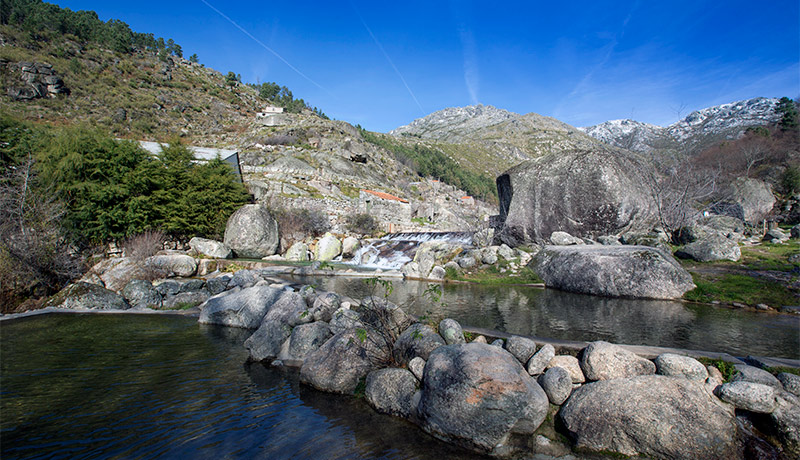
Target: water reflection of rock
column 562, row 315
column 343, row 426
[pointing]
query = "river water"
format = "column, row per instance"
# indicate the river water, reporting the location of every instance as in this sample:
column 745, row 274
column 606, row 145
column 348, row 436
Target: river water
column 138, row 386
column 562, row 315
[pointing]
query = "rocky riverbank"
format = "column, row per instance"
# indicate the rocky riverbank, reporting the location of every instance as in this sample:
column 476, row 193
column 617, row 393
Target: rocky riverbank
column 495, row 398
column 500, row 395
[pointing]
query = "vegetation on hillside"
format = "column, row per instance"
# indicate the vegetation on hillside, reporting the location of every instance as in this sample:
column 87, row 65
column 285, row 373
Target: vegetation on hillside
column 66, row 189
column 281, row 96
column 430, row 162
column 134, row 84
column 45, row 21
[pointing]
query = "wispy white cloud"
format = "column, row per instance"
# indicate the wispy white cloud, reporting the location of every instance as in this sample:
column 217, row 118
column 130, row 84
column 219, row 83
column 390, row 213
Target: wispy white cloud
column 275, row 53
column 386, row 55
column 471, row 74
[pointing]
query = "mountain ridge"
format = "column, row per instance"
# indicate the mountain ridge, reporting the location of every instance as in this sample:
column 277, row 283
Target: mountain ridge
column 693, row 133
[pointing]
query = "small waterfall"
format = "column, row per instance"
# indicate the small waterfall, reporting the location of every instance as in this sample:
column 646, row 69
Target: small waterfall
column 397, row 249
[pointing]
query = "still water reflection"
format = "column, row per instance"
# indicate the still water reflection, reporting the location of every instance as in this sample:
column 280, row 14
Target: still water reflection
column 563, row 315
column 132, row 386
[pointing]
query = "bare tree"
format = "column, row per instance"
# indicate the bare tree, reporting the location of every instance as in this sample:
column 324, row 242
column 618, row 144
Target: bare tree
column 35, row 256
column 680, row 190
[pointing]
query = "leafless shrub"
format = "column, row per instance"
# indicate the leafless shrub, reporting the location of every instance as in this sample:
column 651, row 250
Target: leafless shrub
column 296, row 224
column 362, row 223
column 140, row 247
column 36, row 258
column 680, row 190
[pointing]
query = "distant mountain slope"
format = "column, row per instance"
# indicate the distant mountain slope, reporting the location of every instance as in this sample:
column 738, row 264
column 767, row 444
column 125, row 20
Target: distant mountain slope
column 699, row 130
column 490, row 140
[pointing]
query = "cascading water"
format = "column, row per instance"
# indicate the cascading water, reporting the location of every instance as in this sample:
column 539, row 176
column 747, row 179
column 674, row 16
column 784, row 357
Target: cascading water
column 397, row 249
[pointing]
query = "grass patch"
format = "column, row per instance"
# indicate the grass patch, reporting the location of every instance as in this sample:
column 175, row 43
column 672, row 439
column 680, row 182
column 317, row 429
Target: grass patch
column 730, row 288
column 779, row 369
column 493, row 277
column 726, row 368
column 768, row 256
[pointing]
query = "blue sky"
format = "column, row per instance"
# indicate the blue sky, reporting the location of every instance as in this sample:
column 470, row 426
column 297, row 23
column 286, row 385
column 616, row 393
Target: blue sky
column 383, row 64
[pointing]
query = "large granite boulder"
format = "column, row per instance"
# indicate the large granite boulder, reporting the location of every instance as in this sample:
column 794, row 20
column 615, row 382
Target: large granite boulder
column 298, row 252
column 391, row 391
column 419, row 340
column 328, row 247
column 245, row 308
column 585, row 193
column 210, row 248
column 614, row 271
column 170, row 265
column 480, row 396
column 711, row 248
column 436, row 252
column 115, row 273
column 681, row 366
column 276, row 327
column 750, row 200
column 252, row 232
column 142, row 294
column 652, row 415
column 347, row 357
column 755, row 397
column 305, row 339
column 606, row 361
column 87, row 295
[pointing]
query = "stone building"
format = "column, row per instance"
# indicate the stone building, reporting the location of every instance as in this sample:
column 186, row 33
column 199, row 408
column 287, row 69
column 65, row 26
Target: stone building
column 391, row 211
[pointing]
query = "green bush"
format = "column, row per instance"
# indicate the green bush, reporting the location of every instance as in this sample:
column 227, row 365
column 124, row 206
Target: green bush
column 113, row 189
column 790, row 181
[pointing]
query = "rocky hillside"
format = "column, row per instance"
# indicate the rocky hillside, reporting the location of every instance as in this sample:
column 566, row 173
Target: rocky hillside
column 291, row 160
column 698, row 131
column 491, row 140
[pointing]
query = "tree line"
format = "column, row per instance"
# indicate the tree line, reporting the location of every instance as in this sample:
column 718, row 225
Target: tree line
column 67, row 190
column 40, row 19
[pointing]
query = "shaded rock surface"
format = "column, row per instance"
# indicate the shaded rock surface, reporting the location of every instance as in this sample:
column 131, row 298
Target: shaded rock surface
column 585, row 193
column 391, row 391
column 87, row 295
column 342, row 361
column 245, row 308
column 419, row 340
column 659, row 416
column 141, row 294
column 479, row 396
column 276, row 327
column 614, row 271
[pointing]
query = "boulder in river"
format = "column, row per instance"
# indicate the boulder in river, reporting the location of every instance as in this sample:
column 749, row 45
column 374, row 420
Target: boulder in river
column 87, row 295
column 606, row 361
column 481, row 397
column 613, row 271
column 652, row 415
column 244, row 308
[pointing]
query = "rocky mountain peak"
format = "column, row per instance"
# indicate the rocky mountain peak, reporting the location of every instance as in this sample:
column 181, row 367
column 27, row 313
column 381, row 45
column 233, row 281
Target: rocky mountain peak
column 698, row 130
column 451, row 124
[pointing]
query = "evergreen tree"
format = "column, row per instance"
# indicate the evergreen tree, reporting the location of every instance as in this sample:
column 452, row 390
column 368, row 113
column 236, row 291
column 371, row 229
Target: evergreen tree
column 788, row 111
